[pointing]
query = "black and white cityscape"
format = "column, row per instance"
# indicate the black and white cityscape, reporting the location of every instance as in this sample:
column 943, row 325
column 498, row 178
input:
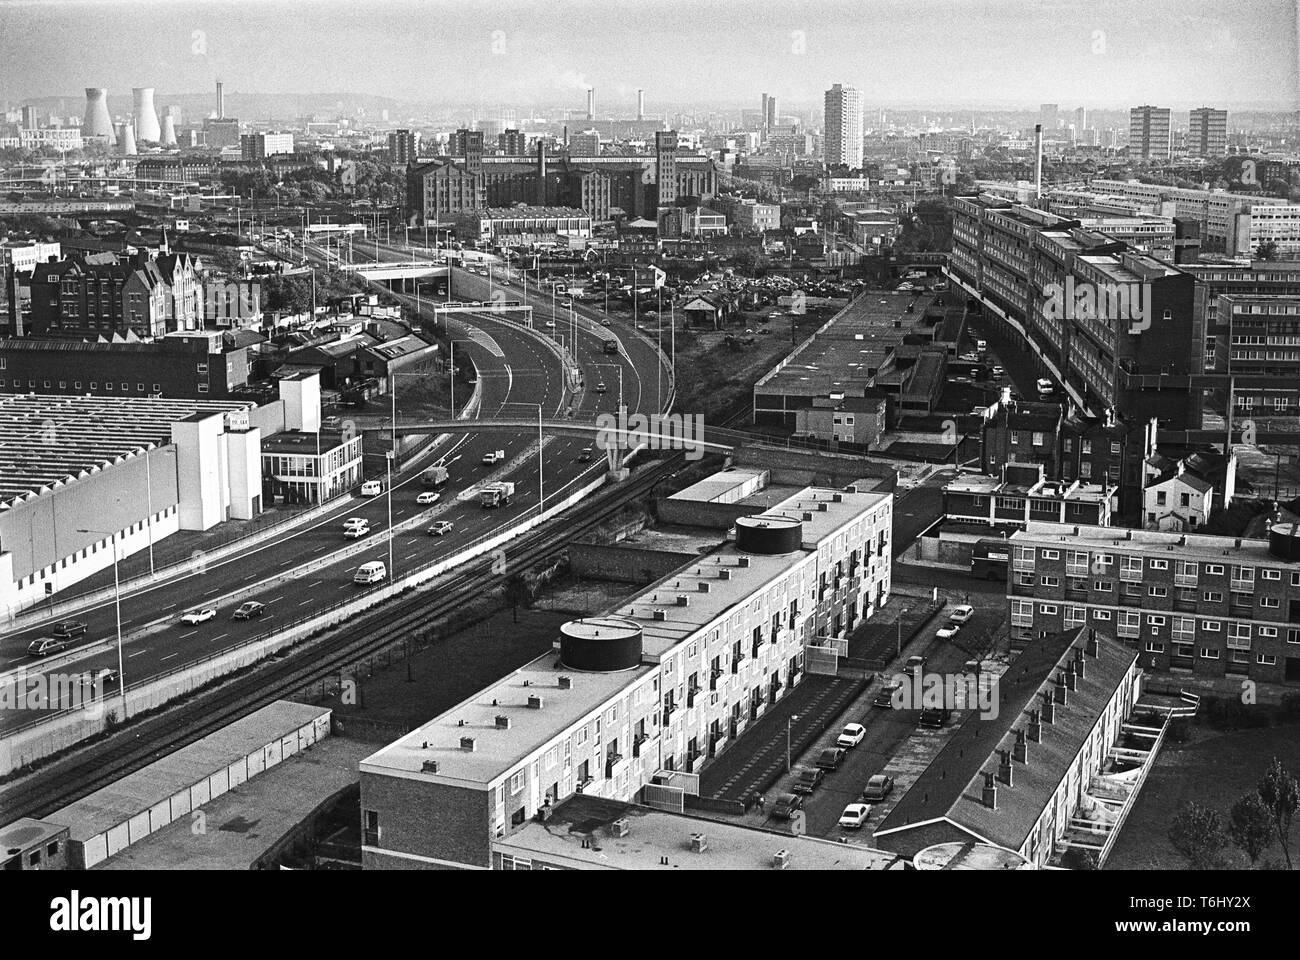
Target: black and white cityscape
column 646, row 437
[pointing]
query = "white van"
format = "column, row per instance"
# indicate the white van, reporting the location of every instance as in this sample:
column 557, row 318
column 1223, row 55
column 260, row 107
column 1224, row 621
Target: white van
column 372, row 488
column 981, row 345
column 372, row 572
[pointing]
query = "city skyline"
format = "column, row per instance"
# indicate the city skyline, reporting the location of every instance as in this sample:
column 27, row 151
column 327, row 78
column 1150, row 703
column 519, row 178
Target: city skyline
column 1102, row 55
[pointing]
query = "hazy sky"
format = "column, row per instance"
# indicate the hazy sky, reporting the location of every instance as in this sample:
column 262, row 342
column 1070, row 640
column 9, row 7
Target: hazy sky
column 1099, row 53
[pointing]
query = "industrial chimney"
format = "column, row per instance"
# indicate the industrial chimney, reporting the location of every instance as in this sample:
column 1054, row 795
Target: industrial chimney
column 591, row 103
column 146, row 117
column 1038, row 161
column 97, row 122
column 221, row 101
column 640, row 104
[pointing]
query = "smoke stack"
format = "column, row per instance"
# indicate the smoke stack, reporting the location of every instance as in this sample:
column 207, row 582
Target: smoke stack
column 146, row 117
column 169, row 131
column 1038, row 161
column 97, row 122
column 591, row 103
column 221, row 100
column 640, row 104
column 127, row 139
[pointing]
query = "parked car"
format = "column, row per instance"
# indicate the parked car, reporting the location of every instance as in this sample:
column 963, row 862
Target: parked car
column 202, row 615
column 878, row 787
column 961, row 613
column 948, row 631
column 808, row 780
column 1044, row 386
column 786, row 805
column 441, row 528
column 44, row 646
column 934, row 717
column 885, row 698
column 830, row 758
column 851, row 735
column 915, row 664
column 248, row 610
column 855, row 815
column 427, row 497
column 69, row 630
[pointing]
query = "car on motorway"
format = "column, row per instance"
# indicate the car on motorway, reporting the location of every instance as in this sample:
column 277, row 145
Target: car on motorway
column 997, row 372
column 855, row 815
column 44, row 646
column 586, row 455
column 428, row 497
column 961, row 613
column 248, row 610
column 934, row 717
column 549, row 324
column 851, row 735
column 355, row 522
column 356, row 531
column 372, row 572
column 441, row 528
column 830, row 758
column 332, row 423
column 372, row 488
column 607, row 322
column 69, row 630
column 878, row 787
column 885, row 698
column 1044, row 387
column 808, row 780
column 493, row 457
column 787, row 804
column 948, row 631
column 193, row 618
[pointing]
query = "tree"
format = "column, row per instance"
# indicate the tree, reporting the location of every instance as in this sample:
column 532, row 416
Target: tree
column 1250, row 826
column 1280, row 795
column 1267, row 251
column 1197, row 833
column 517, row 592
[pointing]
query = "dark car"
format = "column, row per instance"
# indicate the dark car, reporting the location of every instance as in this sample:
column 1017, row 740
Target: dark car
column 878, row 787
column 786, row 805
column 830, row 758
column 69, row 630
column 885, row 698
column 249, row 610
column 808, row 780
column 934, row 717
column 44, row 646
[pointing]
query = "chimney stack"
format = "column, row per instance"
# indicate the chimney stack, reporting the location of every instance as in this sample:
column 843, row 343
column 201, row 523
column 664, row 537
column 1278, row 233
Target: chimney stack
column 1071, row 678
column 1079, row 663
column 1049, row 708
column 1004, row 766
column 221, row 101
column 1020, row 750
column 1035, row 727
column 990, row 792
column 1061, row 693
column 591, row 103
column 1090, row 648
column 1038, row 161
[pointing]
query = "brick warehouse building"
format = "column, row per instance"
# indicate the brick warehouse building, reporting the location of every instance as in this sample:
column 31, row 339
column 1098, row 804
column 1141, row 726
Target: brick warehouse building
column 663, row 683
column 1214, row 606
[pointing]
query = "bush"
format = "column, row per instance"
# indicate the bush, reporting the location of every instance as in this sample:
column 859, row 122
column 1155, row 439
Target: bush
column 1180, row 730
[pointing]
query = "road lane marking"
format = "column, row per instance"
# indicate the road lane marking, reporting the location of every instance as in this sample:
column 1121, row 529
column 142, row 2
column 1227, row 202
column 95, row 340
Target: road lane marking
column 190, row 634
column 169, row 656
column 137, row 653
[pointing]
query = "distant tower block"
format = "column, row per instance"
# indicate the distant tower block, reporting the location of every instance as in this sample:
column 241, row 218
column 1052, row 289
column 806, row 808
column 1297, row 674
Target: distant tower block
column 221, row 100
column 97, row 122
column 127, row 141
column 169, row 131
column 591, row 103
column 146, row 117
column 640, row 104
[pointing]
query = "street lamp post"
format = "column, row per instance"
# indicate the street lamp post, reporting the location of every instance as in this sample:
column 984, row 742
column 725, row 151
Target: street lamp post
column 788, row 723
column 117, row 608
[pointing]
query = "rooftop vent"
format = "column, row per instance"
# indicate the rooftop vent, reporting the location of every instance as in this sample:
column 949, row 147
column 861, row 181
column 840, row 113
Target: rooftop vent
column 742, row 562
column 781, row 859
column 468, row 744
column 566, row 683
column 619, row 828
column 683, row 600
column 660, row 614
column 704, row 587
column 429, row 766
column 699, row 843
column 534, row 703
column 502, row 721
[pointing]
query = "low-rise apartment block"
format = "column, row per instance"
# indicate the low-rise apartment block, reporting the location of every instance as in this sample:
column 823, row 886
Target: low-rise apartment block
column 658, row 685
column 1212, row 606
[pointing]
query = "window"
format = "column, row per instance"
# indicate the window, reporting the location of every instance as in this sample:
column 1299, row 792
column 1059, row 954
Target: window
column 1266, row 659
column 1209, row 653
column 1184, row 630
column 1270, row 602
column 1214, row 569
column 1155, row 647
column 1048, row 608
column 1268, row 633
column 1270, row 574
column 516, row 781
column 1022, row 613
column 1050, row 581
column 1212, row 596
column 1157, row 591
column 371, row 838
column 1051, row 555
column 1159, row 564
column 1101, row 586
column 1156, row 621
column 1212, row 626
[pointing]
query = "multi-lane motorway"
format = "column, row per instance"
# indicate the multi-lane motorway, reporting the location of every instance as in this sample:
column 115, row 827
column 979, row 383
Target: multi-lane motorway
column 295, row 574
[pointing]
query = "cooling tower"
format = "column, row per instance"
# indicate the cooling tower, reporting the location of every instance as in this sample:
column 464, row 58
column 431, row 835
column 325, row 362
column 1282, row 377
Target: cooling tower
column 146, row 117
column 127, row 141
column 97, row 122
column 169, row 131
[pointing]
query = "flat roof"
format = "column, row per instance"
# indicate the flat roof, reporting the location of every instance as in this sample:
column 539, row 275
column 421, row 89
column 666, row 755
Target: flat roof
column 717, row 487
column 181, row 769
column 732, row 578
column 858, row 339
column 1185, row 546
column 47, row 441
column 27, row 832
column 654, row 834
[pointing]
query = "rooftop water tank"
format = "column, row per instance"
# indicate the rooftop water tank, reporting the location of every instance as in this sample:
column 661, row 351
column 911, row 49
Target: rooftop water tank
column 600, row 644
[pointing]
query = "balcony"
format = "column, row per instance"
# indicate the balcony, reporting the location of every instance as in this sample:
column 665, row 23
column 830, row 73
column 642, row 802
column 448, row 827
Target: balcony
column 638, row 742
